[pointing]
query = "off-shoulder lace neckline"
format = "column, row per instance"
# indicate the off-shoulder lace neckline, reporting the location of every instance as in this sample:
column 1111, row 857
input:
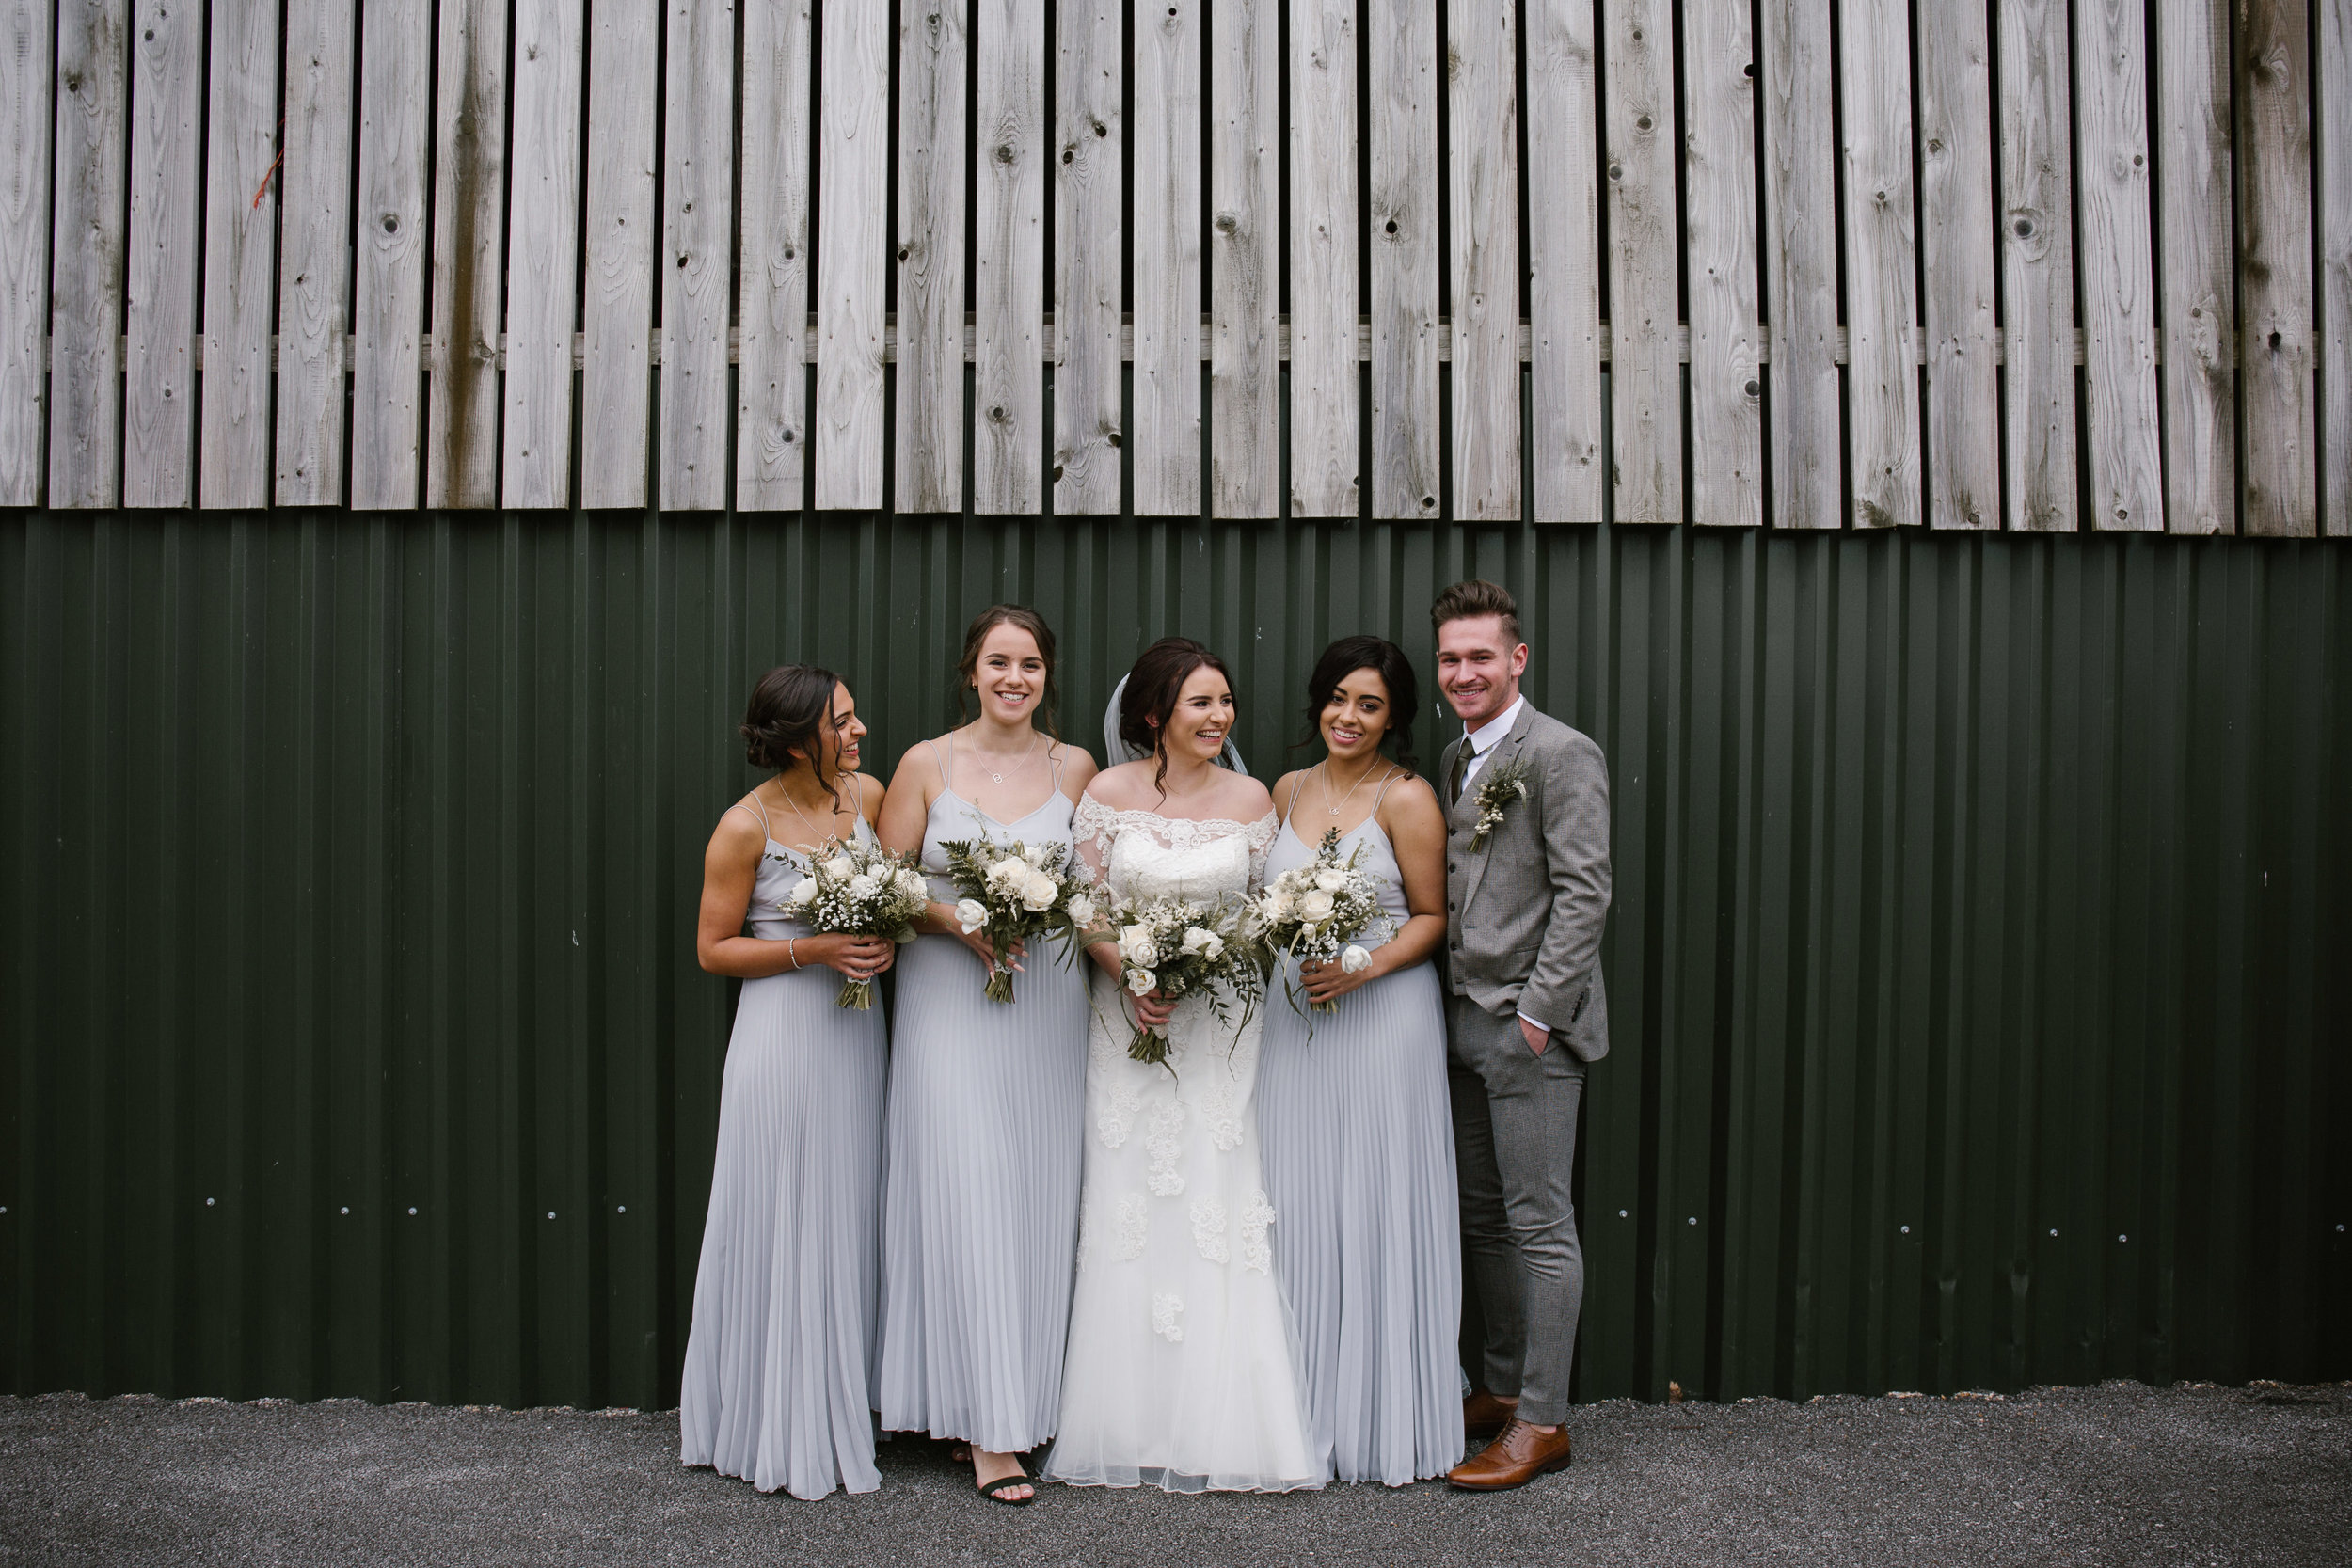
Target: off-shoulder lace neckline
column 1089, row 803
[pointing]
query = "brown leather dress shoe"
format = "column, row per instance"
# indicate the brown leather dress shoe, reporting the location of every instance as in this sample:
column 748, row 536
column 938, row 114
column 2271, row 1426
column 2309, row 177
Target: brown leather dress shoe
column 1485, row 1416
column 1516, row 1457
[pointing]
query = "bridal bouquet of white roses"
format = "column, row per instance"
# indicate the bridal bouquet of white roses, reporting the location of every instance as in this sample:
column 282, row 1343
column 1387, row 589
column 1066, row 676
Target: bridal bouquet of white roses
column 1178, row 947
column 1315, row 911
column 1016, row 891
column 860, row 890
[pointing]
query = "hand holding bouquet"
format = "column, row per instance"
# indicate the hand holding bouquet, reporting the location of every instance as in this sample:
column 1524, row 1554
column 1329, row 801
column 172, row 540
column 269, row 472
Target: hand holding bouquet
column 1315, row 911
column 860, row 890
column 1175, row 946
column 1011, row 893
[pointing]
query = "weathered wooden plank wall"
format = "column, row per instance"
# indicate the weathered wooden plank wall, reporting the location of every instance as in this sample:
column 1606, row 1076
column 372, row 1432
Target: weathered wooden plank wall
column 1571, row 260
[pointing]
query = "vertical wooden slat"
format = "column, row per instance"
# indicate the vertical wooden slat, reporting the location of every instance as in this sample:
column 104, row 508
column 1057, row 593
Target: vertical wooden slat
column 2038, row 264
column 1008, row 265
column 2199, row 372
column 468, row 238
column 2274, row 190
column 543, row 253
column 2119, row 286
column 1719, row 173
column 1166, row 234
column 1483, row 201
column 771, row 376
column 87, row 261
column 314, row 274
column 928, row 474
column 240, row 253
column 1245, row 239
column 2335, row 268
column 698, row 253
column 25, row 108
column 1401, row 115
column 1801, row 273
column 1883, row 380
column 1323, row 243
column 1645, row 246
column 1088, row 226
column 853, row 182
column 1564, row 261
column 1956, row 219
column 159, row 380
column 388, row 299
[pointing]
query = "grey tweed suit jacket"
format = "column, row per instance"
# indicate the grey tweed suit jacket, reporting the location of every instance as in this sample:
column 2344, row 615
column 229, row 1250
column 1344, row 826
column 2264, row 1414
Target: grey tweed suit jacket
column 1524, row 912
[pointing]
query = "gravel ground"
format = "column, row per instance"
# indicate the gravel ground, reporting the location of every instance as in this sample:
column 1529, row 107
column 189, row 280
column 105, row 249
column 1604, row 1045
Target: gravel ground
column 2118, row 1474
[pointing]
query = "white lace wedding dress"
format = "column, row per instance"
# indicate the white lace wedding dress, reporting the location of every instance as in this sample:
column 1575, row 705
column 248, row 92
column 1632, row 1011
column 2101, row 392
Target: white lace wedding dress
column 1182, row 1369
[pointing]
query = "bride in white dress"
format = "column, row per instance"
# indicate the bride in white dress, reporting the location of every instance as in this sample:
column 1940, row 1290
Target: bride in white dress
column 1182, row 1369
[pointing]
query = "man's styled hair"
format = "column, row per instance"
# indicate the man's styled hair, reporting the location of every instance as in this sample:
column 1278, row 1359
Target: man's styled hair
column 1468, row 601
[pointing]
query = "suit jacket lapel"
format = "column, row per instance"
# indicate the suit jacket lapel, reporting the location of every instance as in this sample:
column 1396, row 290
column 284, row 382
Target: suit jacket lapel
column 1505, row 751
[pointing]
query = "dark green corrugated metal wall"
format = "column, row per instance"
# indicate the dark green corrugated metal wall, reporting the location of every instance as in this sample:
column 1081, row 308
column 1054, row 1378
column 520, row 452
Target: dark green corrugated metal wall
column 1972, row 896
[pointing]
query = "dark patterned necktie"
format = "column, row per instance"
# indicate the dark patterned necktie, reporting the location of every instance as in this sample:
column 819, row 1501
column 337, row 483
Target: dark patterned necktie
column 1461, row 768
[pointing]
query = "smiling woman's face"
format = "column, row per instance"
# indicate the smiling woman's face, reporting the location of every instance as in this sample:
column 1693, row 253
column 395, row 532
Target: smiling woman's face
column 838, row 737
column 1203, row 716
column 1356, row 715
column 1009, row 674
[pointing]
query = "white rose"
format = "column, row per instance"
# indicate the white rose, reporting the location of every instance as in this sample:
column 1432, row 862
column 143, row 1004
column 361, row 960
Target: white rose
column 863, row 887
column 1331, row 880
column 911, row 882
column 1038, row 855
column 1197, row 939
column 1355, row 961
column 805, row 894
column 1275, row 907
column 1135, row 944
column 1082, row 911
column 1007, row 874
column 971, row 914
column 1141, row 981
column 1214, row 948
column 1315, row 906
column 1039, row 892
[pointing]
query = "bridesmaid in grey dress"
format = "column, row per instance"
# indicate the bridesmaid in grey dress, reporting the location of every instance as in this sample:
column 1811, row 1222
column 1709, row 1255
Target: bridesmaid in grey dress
column 779, row 1379
column 987, row 1098
column 1355, row 1122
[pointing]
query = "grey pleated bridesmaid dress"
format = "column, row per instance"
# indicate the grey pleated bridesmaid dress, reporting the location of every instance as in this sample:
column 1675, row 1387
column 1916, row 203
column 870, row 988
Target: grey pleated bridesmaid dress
column 780, row 1362
column 985, row 1140
column 1359, row 1146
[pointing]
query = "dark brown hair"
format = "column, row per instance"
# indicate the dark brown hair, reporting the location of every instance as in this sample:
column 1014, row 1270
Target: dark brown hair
column 1153, row 686
column 1468, row 601
column 790, row 707
column 1383, row 658
column 1022, row 616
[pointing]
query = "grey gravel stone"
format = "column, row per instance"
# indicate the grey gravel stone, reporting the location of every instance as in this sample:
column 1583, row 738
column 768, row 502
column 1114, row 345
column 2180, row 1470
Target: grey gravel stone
column 2120, row 1473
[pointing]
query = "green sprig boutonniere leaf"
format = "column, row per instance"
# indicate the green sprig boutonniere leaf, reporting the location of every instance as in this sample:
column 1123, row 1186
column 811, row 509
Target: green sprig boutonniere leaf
column 1502, row 784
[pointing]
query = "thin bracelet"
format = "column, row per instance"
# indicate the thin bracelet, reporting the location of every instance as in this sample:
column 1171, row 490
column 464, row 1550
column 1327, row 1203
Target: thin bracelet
column 792, row 951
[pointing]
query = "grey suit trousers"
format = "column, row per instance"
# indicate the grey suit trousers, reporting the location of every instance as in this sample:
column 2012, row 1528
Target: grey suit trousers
column 1514, row 1148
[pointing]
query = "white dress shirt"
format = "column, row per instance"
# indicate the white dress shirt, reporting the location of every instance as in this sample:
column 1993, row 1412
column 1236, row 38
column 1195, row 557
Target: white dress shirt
column 1481, row 740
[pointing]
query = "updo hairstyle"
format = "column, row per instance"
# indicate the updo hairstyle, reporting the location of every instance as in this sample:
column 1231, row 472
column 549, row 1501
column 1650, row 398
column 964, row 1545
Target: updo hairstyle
column 790, row 708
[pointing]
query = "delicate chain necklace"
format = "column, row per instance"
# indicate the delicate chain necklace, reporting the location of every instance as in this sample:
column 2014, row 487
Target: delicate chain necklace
column 1000, row 777
column 815, row 837
column 1325, row 768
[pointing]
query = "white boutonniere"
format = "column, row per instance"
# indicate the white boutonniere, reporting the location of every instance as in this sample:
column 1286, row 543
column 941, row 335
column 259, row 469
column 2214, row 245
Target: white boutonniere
column 1500, row 787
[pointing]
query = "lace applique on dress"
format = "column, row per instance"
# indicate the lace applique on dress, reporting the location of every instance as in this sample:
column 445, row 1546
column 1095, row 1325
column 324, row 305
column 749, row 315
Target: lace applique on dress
column 1134, row 1224
column 1256, row 1255
column 1164, row 1142
column 1165, row 1310
column 1208, row 1230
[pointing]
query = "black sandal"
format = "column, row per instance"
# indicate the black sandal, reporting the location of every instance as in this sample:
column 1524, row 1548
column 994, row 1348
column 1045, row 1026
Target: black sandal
column 993, row 1490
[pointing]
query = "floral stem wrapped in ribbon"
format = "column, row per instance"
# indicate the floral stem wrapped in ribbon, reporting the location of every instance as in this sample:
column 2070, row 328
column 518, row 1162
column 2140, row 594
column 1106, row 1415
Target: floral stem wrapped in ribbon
column 1180, row 948
column 1498, row 787
column 1011, row 893
column 1315, row 911
column 860, row 890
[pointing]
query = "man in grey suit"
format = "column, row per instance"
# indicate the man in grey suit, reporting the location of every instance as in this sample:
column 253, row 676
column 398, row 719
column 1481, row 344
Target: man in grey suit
column 1526, row 897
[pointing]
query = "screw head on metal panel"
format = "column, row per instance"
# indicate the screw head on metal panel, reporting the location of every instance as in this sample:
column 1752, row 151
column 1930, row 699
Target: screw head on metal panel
column 412, row 1211
column 208, row 1203
column 623, row 1209
column 2123, row 1238
column 1906, row 1231
column 550, row 1214
column 344, row 1210
column 1621, row 1215
column 4, row 1209
column 1694, row 1219
column 2053, row 1232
